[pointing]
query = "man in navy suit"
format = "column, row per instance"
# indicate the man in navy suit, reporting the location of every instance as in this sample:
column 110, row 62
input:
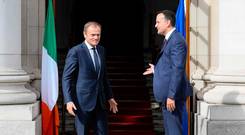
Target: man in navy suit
column 170, row 84
column 87, row 101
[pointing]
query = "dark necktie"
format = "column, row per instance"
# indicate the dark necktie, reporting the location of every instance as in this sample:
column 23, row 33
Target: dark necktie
column 163, row 44
column 96, row 60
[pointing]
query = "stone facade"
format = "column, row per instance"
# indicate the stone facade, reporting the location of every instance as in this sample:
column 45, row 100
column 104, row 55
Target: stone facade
column 218, row 71
column 217, row 67
column 21, row 29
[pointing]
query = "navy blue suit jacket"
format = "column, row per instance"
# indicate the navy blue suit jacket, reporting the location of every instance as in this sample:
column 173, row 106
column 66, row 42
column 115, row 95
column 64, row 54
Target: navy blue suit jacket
column 169, row 80
column 89, row 86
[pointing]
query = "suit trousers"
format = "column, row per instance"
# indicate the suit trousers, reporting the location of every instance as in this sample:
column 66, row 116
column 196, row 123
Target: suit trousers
column 172, row 121
column 96, row 119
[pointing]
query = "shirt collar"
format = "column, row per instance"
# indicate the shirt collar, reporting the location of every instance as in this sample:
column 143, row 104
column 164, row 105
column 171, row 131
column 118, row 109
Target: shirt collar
column 169, row 33
column 88, row 45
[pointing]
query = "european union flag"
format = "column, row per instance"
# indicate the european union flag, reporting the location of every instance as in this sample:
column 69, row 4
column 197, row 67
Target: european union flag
column 180, row 18
column 180, row 27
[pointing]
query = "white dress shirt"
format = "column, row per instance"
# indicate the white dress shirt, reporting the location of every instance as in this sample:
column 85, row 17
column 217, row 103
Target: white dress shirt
column 90, row 48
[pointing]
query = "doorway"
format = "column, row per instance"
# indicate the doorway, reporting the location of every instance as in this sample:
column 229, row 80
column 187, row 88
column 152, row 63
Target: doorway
column 122, row 23
column 127, row 26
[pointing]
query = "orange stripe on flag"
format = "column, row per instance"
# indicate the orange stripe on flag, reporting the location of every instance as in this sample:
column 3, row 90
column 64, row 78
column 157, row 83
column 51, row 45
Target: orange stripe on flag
column 50, row 120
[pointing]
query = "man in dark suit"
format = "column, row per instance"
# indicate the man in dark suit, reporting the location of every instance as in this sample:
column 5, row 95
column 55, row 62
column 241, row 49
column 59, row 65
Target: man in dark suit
column 170, row 84
column 87, row 101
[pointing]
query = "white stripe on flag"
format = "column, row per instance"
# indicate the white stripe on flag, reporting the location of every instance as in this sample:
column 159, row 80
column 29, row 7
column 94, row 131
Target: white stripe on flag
column 49, row 80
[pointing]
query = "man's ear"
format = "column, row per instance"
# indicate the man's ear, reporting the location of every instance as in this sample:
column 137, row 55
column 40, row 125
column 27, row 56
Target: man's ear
column 169, row 23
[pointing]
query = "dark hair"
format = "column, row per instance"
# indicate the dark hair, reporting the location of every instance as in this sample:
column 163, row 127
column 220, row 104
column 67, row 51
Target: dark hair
column 91, row 23
column 169, row 15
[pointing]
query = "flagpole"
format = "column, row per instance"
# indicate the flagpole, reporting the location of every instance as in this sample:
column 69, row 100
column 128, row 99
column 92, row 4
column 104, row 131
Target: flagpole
column 187, row 2
column 187, row 22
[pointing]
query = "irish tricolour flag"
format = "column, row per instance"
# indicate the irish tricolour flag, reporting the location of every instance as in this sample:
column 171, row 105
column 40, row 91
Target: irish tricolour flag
column 49, row 84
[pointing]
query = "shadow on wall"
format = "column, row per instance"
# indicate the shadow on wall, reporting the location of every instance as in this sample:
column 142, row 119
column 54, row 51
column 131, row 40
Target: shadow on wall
column 200, row 29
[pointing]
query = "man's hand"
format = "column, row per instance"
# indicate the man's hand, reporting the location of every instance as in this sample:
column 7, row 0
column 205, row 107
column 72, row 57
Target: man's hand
column 149, row 70
column 170, row 104
column 113, row 105
column 69, row 107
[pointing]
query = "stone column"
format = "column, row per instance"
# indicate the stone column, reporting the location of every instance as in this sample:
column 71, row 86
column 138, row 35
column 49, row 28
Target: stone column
column 19, row 105
column 220, row 89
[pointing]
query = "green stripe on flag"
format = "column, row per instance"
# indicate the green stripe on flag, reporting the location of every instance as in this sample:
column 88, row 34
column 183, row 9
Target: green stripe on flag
column 49, row 41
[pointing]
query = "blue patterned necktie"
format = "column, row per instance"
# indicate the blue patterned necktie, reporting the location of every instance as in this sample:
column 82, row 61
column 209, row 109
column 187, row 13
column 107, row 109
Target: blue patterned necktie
column 96, row 60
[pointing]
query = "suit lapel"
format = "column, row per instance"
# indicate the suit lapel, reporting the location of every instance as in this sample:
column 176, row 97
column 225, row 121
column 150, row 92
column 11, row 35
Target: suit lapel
column 161, row 52
column 165, row 46
column 168, row 41
column 101, row 59
column 88, row 57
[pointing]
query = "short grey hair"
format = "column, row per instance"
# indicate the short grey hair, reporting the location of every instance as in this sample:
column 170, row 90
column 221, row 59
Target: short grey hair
column 91, row 23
